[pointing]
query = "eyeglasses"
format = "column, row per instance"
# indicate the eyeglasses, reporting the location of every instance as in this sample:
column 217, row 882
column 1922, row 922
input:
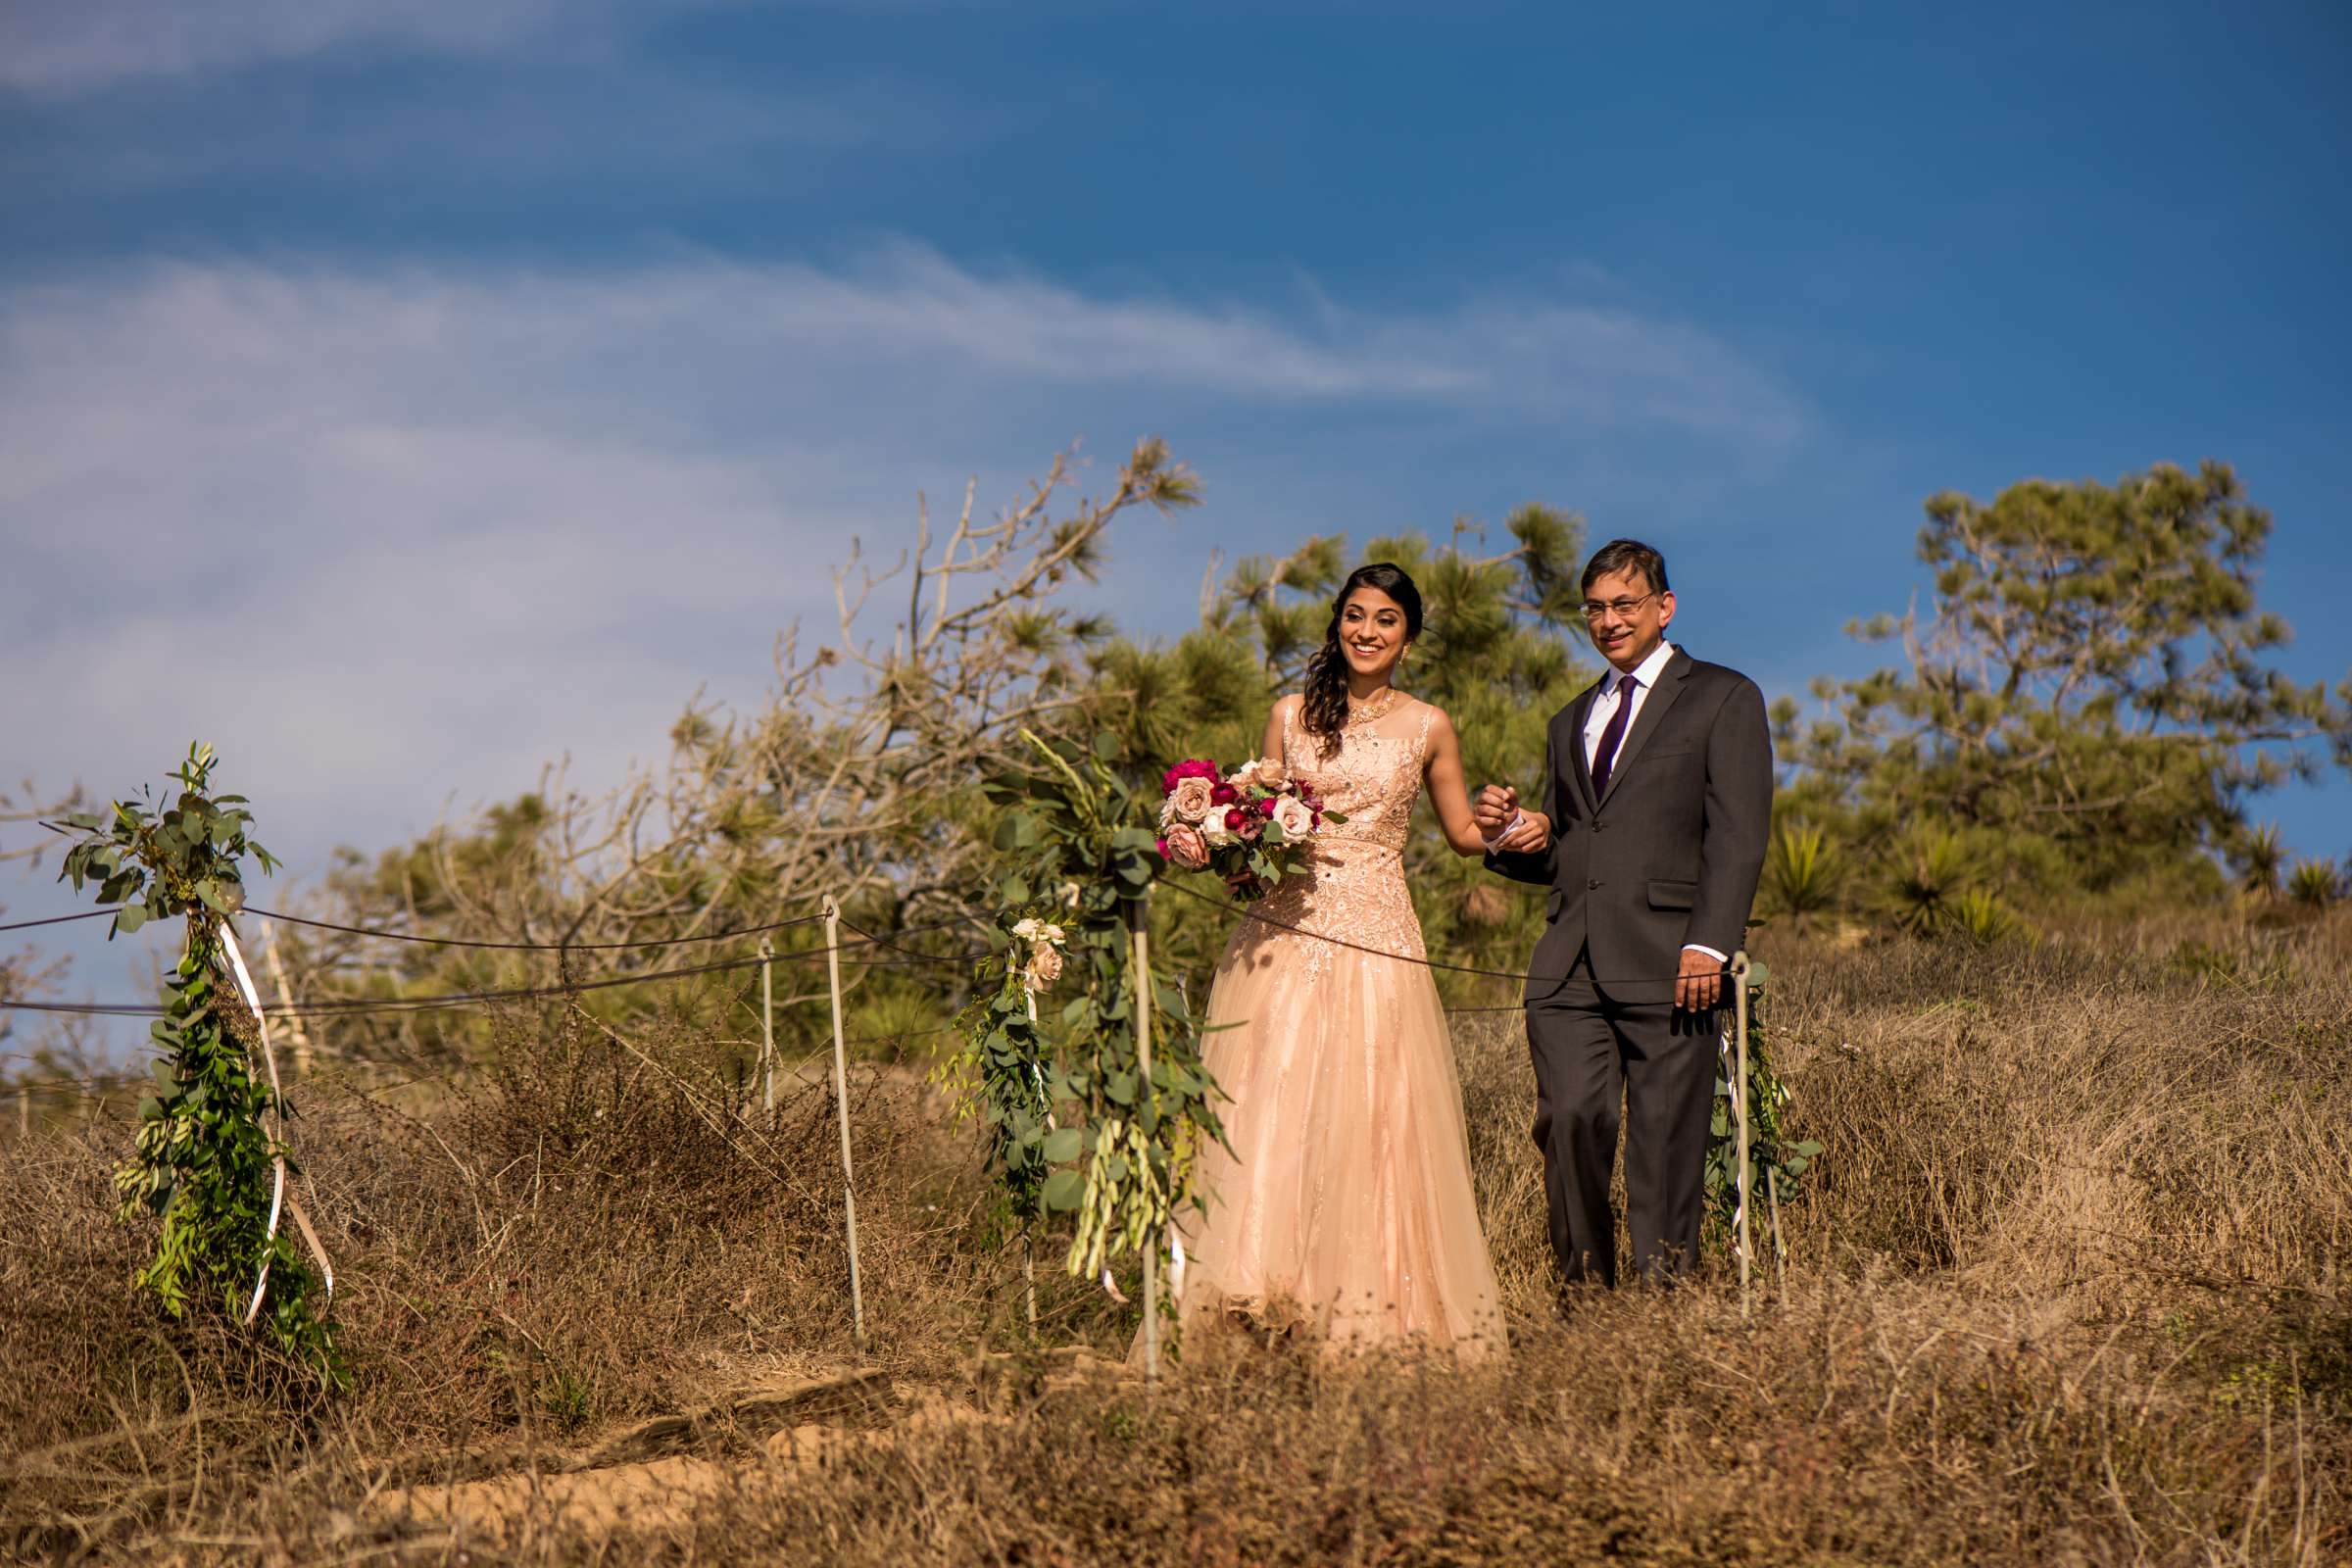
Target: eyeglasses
column 1594, row 608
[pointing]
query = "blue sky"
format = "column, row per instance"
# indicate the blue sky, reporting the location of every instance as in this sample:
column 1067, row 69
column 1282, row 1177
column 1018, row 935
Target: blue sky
column 450, row 386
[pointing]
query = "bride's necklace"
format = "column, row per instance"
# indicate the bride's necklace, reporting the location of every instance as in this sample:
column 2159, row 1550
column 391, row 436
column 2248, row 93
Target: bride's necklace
column 1374, row 708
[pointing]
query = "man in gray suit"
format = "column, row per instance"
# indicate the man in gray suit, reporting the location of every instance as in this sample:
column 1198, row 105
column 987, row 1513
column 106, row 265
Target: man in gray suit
column 1657, row 801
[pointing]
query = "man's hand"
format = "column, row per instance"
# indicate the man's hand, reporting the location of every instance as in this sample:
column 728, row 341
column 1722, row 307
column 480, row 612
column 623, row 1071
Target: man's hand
column 1700, row 984
column 1493, row 808
column 1532, row 835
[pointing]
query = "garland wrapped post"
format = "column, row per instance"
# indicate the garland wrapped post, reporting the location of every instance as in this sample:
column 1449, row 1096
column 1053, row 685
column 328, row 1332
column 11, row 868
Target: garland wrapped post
column 1740, row 1111
column 1771, row 1162
column 208, row 1157
column 1139, row 924
column 1082, row 1066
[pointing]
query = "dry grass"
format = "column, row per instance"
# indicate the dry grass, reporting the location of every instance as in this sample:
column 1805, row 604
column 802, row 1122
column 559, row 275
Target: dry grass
column 2068, row 1287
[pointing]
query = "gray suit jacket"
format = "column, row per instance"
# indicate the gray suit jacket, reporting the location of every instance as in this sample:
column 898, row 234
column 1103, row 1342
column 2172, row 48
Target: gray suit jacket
column 1671, row 852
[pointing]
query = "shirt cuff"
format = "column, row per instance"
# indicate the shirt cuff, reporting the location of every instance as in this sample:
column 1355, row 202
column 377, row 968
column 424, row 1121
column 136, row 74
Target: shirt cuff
column 1693, row 947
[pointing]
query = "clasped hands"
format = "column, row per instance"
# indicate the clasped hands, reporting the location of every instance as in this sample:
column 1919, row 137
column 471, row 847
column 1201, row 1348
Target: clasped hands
column 1504, row 826
column 1507, row 828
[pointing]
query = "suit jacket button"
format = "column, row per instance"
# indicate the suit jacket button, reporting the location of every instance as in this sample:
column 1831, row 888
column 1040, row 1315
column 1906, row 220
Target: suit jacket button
column 1592, row 882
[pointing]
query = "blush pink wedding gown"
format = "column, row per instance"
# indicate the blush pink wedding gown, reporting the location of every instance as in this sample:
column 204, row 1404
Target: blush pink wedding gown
column 1345, row 1204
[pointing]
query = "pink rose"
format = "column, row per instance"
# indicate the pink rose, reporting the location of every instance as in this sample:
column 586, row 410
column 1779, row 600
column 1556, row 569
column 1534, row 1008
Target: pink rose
column 1185, row 848
column 1191, row 799
column 1190, row 767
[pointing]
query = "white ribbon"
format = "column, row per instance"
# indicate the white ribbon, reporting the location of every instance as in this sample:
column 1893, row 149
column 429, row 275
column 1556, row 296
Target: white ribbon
column 280, row 1200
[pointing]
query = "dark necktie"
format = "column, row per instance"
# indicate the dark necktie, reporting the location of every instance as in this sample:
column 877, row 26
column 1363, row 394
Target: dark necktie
column 1604, row 756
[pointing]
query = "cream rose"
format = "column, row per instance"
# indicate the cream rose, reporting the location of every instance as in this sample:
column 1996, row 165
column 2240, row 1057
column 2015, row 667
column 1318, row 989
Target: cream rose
column 1044, row 967
column 1190, row 799
column 1294, row 819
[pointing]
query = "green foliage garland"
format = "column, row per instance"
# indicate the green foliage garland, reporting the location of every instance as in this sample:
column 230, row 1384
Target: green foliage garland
column 1773, row 1163
column 1075, row 1125
column 204, row 1159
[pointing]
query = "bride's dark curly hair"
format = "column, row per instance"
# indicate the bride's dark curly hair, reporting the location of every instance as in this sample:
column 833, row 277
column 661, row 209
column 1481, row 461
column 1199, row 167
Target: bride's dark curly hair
column 1324, row 712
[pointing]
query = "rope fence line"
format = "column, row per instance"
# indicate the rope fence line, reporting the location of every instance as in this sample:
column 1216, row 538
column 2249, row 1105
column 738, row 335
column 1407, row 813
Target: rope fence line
column 60, row 920
column 1248, row 914
column 865, row 938
column 282, row 918
column 531, row 947
column 354, row 1007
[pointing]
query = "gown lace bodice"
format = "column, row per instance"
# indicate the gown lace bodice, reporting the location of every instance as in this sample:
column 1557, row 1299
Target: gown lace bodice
column 1355, row 886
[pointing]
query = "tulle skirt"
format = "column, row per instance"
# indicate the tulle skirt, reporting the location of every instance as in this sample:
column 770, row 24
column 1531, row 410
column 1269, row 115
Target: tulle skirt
column 1344, row 1207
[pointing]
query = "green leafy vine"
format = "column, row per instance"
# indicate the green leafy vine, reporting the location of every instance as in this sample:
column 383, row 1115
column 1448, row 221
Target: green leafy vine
column 204, row 1159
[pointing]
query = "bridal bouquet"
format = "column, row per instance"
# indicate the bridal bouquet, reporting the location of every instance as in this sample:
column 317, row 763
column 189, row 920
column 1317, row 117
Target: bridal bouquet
column 1256, row 820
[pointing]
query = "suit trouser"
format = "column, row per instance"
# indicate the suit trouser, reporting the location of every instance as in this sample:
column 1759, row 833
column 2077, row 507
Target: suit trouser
column 1591, row 1051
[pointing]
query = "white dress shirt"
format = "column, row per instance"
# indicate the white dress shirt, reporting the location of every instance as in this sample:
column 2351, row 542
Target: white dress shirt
column 1605, row 709
column 1612, row 692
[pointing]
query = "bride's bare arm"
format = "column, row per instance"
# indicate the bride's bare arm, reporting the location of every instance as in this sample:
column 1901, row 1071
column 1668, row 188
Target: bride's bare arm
column 1450, row 794
column 1274, row 723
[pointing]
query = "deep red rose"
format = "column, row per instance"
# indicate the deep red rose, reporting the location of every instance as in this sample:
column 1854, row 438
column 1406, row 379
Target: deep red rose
column 1224, row 793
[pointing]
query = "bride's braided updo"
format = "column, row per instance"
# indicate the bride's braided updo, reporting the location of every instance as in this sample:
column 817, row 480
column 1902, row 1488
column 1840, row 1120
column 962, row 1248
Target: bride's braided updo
column 1324, row 709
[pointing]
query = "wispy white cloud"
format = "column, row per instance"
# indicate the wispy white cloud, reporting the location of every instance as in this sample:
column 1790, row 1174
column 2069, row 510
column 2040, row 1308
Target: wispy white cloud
column 406, row 534
column 64, row 47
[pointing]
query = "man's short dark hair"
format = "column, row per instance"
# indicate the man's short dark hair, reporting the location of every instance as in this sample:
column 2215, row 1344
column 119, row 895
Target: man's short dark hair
column 1626, row 555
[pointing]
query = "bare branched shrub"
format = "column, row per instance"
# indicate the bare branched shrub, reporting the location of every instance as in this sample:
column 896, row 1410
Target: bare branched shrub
column 856, row 777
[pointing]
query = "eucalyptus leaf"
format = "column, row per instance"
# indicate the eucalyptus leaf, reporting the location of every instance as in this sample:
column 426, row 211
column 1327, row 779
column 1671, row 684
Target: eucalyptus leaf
column 1063, row 1189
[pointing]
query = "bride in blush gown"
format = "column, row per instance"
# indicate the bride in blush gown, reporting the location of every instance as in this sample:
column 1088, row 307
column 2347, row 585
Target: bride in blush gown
column 1344, row 1204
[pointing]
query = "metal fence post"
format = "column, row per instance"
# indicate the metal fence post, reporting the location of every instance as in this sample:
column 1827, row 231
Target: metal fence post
column 767, row 1024
column 841, row 1102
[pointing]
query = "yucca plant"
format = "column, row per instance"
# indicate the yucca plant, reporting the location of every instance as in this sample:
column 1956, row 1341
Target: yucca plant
column 2260, row 858
column 1801, row 873
column 1979, row 914
column 1930, row 869
column 2315, row 884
